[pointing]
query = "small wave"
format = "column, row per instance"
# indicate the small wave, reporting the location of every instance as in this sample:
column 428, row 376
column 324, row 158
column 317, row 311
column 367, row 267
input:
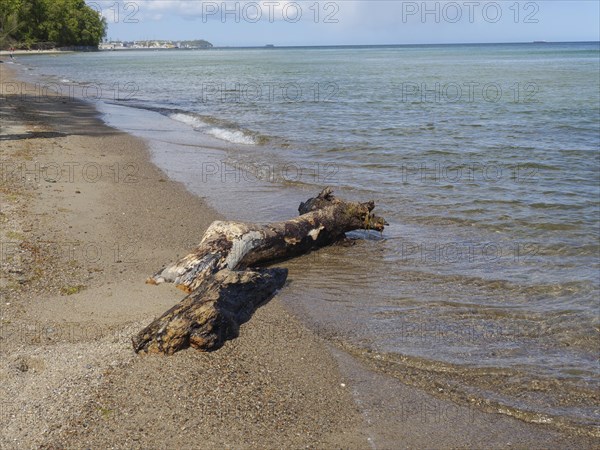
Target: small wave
column 539, row 166
column 491, row 389
column 439, row 152
column 551, row 226
column 206, row 125
column 233, row 136
column 188, row 119
column 554, row 206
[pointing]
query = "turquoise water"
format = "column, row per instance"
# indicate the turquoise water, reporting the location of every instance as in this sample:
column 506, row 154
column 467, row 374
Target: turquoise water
column 483, row 158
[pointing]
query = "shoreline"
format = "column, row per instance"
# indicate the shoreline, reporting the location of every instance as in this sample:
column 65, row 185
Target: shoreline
column 34, row 52
column 74, row 294
column 276, row 383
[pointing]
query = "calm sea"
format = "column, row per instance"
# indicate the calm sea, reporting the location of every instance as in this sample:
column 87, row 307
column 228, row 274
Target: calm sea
column 483, row 158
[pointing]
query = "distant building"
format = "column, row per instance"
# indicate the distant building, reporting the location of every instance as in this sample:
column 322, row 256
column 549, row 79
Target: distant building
column 119, row 45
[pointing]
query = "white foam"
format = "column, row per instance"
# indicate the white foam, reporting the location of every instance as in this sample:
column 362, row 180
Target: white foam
column 235, row 137
column 188, row 119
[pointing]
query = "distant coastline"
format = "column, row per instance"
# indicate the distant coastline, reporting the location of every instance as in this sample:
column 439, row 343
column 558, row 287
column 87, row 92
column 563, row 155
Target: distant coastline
column 112, row 46
column 155, row 45
column 34, row 52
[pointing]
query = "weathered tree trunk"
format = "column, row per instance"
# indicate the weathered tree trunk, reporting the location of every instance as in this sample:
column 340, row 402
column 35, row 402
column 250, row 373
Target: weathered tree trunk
column 224, row 291
column 213, row 313
column 237, row 245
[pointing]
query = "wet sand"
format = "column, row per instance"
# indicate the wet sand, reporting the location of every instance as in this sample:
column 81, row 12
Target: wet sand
column 85, row 218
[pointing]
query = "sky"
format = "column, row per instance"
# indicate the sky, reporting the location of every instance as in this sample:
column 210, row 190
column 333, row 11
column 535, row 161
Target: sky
column 350, row 22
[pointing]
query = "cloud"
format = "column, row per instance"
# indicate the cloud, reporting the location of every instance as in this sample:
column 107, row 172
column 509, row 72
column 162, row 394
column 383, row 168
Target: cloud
column 229, row 11
column 349, row 13
column 354, row 21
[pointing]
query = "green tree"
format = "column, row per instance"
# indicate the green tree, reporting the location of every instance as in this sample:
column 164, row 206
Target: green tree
column 62, row 22
column 31, row 16
column 72, row 22
column 9, row 20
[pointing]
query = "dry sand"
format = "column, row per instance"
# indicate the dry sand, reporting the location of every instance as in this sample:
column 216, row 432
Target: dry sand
column 85, row 218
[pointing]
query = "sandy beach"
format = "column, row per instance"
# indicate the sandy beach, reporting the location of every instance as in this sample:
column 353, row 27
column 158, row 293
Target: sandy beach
column 85, row 218
column 76, row 252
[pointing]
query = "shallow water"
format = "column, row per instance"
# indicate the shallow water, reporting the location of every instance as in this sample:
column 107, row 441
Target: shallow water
column 483, row 158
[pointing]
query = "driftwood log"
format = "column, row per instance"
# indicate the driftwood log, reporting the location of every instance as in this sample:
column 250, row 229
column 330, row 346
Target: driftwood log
column 220, row 276
column 212, row 314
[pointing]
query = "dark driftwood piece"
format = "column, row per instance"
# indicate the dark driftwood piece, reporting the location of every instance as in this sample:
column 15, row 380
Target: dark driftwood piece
column 213, row 313
column 224, row 290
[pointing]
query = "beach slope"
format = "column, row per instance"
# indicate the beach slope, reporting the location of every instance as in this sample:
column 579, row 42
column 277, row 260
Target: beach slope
column 86, row 218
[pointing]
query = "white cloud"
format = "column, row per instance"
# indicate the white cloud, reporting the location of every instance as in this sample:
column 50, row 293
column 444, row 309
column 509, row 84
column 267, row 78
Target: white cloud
column 358, row 21
column 229, row 11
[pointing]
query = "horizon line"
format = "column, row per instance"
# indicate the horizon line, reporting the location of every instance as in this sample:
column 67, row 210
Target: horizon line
column 271, row 45
column 398, row 45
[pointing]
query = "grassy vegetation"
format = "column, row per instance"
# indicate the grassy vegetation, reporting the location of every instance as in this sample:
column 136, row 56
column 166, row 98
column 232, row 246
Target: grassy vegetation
column 71, row 290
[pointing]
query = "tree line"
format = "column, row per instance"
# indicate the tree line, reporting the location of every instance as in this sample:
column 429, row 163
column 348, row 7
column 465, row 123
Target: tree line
column 49, row 23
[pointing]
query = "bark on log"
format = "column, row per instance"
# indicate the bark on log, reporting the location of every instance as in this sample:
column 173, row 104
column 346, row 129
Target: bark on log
column 237, row 245
column 224, row 289
column 213, row 313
